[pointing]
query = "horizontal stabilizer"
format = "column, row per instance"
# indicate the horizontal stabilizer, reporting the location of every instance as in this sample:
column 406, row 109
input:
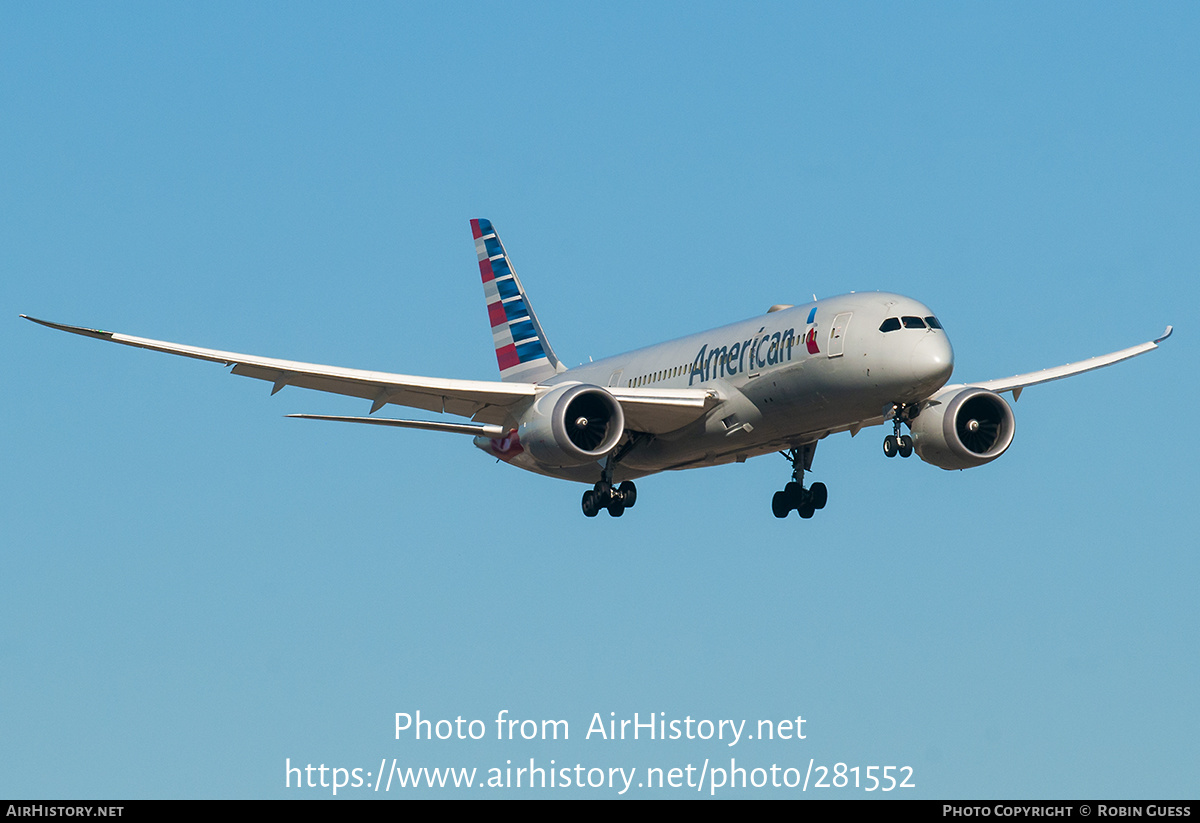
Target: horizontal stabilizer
column 485, row 429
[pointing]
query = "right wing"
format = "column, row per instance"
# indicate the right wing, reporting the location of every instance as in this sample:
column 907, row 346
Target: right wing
column 488, row 403
column 484, row 401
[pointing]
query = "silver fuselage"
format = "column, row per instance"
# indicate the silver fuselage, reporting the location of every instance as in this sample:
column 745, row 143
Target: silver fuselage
column 783, row 379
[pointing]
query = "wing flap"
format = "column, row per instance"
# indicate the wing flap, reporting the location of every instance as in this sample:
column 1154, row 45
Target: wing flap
column 658, row 411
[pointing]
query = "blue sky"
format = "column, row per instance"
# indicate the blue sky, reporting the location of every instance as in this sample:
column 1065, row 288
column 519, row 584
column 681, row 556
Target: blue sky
column 197, row 590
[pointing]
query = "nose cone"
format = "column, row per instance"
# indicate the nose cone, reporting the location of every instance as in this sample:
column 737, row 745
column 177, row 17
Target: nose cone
column 932, row 361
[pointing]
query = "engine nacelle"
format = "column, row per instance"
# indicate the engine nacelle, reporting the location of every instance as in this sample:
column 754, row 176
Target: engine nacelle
column 963, row 428
column 572, row 426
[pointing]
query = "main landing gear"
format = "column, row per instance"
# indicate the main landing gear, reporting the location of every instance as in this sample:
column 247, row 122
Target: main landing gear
column 604, row 495
column 897, row 443
column 794, row 495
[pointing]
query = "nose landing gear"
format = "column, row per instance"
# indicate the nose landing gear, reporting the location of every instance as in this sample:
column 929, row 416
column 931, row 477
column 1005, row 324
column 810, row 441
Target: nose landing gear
column 794, row 495
column 897, row 443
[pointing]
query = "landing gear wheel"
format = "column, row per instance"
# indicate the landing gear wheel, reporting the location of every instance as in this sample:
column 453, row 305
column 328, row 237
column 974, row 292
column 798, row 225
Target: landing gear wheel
column 891, row 445
column 604, row 495
column 794, row 495
column 905, row 446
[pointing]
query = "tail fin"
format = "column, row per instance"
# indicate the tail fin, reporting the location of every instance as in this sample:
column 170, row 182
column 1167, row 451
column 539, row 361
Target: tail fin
column 522, row 350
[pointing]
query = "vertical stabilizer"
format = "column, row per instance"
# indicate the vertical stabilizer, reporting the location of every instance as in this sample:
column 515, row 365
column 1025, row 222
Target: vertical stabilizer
column 522, row 350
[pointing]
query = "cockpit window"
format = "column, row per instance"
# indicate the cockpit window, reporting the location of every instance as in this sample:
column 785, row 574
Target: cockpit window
column 891, row 324
column 933, row 322
column 913, row 322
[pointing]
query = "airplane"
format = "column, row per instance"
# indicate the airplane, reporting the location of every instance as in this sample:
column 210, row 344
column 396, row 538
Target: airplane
column 780, row 383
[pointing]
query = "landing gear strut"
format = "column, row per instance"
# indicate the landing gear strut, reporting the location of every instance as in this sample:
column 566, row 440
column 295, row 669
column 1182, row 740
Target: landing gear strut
column 897, row 443
column 794, row 495
column 604, row 496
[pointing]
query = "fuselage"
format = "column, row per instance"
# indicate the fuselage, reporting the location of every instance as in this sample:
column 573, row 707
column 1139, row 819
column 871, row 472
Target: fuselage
column 783, row 379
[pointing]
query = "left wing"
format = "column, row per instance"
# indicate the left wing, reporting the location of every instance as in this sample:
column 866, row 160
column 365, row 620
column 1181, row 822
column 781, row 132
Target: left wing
column 1018, row 382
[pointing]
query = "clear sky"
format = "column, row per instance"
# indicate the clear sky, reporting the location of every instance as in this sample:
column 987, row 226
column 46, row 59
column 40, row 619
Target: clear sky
column 197, row 591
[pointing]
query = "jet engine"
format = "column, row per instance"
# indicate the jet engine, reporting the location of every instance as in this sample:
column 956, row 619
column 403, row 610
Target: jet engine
column 963, row 428
column 572, row 426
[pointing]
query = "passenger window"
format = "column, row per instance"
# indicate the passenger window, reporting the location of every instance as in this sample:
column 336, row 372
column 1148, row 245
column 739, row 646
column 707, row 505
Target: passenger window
column 913, row 322
column 891, row 324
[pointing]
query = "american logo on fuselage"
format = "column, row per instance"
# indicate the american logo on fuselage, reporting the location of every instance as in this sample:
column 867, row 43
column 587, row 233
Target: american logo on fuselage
column 762, row 350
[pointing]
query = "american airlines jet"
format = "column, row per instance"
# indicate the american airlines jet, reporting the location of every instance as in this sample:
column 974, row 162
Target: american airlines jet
column 776, row 383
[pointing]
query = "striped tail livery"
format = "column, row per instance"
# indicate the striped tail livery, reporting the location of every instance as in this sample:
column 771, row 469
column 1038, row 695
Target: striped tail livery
column 522, row 350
